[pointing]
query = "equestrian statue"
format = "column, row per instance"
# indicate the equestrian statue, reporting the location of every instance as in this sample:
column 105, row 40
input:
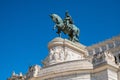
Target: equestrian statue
column 66, row 26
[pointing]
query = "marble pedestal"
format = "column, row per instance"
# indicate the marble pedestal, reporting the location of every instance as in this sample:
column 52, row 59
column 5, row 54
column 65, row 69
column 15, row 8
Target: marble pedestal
column 63, row 50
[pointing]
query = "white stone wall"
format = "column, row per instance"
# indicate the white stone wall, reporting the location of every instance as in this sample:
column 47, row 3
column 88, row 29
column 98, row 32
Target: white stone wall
column 102, row 75
column 119, row 75
column 105, row 75
column 82, row 76
column 112, row 75
column 66, row 67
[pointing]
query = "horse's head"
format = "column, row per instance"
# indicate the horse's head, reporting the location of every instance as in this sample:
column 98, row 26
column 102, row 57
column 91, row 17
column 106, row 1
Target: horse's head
column 57, row 19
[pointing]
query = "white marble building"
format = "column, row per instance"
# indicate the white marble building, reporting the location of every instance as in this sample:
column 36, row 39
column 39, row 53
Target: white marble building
column 74, row 61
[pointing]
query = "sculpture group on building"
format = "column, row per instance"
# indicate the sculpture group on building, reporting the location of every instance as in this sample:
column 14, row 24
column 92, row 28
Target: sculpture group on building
column 66, row 26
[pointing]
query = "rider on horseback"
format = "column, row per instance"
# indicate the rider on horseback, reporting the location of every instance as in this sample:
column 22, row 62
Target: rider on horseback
column 68, row 21
column 66, row 26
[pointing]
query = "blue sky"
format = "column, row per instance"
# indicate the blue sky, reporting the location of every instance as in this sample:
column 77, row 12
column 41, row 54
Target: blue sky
column 26, row 28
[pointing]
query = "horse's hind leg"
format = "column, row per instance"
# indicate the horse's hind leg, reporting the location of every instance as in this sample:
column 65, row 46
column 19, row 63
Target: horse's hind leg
column 69, row 38
column 60, row 34
column 73, row 37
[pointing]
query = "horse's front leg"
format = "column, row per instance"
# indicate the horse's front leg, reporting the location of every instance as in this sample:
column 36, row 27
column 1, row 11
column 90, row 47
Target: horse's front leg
column 59, row 32
column 73, row 37
column 54, row 27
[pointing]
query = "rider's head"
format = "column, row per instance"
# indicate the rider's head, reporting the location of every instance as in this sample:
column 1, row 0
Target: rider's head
column 67, row 14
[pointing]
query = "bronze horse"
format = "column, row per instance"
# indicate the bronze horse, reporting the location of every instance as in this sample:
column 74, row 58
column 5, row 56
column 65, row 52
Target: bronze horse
column 70, row 29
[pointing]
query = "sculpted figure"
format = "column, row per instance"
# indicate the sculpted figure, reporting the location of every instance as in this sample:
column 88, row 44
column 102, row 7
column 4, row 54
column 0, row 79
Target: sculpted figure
column 109, row 56
column 56, row 56
column 62, row 55
column 98, row 58
column 66, row 26
column 68, row 21
column 51, row 54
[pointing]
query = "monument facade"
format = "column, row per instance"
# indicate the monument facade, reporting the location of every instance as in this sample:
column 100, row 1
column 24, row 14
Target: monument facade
column 70, row 60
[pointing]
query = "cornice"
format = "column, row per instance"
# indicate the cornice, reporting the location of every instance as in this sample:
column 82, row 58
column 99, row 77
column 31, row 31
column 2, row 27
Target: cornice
column 103, row 43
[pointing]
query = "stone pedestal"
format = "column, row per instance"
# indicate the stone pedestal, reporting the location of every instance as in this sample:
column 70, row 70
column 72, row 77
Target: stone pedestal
column 63, row 50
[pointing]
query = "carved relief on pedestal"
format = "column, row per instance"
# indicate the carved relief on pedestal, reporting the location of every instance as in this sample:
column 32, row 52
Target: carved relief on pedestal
column 70, row 55
column 62, row 50
column 56, row 54
column 61, row 54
